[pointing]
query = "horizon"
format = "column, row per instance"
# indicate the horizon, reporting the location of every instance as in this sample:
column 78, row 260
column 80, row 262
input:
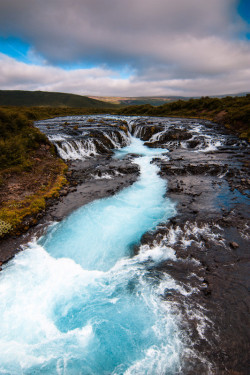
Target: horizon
column 126, row 50
column 136, row 97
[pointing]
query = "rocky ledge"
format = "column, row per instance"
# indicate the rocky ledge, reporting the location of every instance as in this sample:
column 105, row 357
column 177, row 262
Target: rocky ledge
column 210, row 237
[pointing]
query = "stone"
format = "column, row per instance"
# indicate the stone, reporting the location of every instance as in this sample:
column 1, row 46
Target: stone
column 234, row 245
column 64, row 192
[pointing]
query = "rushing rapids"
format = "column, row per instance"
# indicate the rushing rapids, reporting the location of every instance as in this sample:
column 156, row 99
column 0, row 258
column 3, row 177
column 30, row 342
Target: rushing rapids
column 125, row 284
column 77, row 138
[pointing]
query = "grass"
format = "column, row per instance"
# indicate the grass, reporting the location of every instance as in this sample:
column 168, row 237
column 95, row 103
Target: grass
column 13, row 213
column 29, row 163
column 44, row 112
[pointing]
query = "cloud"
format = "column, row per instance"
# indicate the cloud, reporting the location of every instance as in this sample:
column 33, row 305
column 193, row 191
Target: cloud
column 16, row 75
column 164, row 43
column 114, row 31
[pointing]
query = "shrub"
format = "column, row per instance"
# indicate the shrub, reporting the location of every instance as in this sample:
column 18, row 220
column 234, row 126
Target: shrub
column 4, row 228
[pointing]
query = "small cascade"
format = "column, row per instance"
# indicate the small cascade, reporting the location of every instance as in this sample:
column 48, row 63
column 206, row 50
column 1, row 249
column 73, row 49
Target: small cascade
column 87, row 142
column 117, row 138
column 138, row 131
column 75, row 149
column 157, row 136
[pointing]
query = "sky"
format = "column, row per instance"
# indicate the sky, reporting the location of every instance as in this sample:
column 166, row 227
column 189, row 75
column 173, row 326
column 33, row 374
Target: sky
column 126, row 47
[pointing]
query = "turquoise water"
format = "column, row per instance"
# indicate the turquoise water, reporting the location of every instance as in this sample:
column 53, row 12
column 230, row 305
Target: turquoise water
column 78, row 301
column 97, row 235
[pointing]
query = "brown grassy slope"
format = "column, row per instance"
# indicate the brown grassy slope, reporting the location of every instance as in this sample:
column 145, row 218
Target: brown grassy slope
column 30, row 173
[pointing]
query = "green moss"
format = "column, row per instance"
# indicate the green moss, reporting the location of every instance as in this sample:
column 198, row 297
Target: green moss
column 123, row 128
column 5, row 228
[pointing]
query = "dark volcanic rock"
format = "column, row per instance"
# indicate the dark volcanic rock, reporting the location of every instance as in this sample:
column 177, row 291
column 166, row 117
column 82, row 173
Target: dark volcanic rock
column 145, row 131
column 211, row 239
column 176, row 135
column 193, row 143
column 192, row 169
column 207, row 172
column 234, row 245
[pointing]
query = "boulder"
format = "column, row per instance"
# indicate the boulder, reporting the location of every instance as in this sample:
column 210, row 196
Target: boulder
column 234, row 245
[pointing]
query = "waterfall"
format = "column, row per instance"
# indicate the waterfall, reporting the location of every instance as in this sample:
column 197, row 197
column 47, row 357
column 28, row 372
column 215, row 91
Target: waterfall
column 77, row 301
column 73, row 148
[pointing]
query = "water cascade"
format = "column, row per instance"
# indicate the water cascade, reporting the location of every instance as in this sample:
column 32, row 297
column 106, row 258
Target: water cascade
column 83, row 136
column 78, row 302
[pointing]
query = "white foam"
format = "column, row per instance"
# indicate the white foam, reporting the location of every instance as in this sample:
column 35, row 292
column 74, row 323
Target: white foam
column 58, row 137
column 74, row 150
column 156, row 254
column 104, row 176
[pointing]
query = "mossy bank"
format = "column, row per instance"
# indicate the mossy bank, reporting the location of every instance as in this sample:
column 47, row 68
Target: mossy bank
column 30, row 173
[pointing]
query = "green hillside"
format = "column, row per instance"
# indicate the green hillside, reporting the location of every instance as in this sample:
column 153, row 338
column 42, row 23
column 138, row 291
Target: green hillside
column 52, row 99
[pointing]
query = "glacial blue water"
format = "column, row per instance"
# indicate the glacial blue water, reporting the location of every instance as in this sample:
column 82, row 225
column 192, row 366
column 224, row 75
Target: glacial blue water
column 97, row 235
column 78, row 302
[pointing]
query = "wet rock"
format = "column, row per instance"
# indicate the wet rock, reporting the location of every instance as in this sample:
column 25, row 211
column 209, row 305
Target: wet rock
column 234, row 245
column 64, row 192
column 176, row 135
column 193, row 143
column 145, row 132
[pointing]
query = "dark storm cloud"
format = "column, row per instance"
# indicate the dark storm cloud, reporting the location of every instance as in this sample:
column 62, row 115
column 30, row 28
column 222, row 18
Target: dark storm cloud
column 107, row 31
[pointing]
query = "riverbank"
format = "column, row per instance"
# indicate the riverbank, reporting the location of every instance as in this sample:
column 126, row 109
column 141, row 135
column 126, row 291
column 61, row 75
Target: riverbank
column 207, row 173
column 30, row 174
column 84, row 184
column 210, row 237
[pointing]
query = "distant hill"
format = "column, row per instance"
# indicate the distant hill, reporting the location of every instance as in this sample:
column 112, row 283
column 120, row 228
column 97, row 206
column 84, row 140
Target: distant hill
column 152, row 100
column 51, row 99
column 59, row 99
column 138, row 100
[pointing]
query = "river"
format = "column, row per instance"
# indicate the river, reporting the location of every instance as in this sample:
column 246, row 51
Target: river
column 91, row 295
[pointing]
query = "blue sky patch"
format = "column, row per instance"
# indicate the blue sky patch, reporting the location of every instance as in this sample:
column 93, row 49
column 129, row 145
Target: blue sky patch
column 15, row 47
column 244, row 10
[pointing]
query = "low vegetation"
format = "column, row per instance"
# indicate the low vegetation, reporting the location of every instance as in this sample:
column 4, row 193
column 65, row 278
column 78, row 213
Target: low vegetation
column 232, row 112
column 44, row 112
column 30, row 172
